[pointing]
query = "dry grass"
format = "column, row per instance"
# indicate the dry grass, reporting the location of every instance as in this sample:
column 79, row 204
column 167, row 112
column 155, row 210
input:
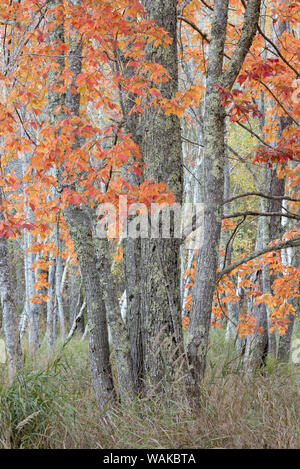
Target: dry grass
column 53, row 406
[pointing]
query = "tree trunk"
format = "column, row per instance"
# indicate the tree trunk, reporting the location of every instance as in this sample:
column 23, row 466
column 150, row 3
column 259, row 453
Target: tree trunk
column 51, row 309
column 80, row 229
column 9, row 314
column 213, row 164
column 74, row 294
column 214, row 145
column 119, row 334
column 32, row 309
column 58, row 294
column 257, row 344
column 81, row 233
column 132, row 259
column 162, row 153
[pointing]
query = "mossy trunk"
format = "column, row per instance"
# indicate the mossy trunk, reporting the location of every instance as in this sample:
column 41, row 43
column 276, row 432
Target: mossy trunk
column 9, row 313
column 213, row 165
column 118, row 330
column 81, row 233
column 80, row 228
column 162, row 153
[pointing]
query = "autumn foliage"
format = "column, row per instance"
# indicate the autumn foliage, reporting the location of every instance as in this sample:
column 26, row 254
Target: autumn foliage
column 55, row 172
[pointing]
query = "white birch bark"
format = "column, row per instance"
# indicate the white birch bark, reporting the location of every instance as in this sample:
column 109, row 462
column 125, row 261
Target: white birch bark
column 51, row 309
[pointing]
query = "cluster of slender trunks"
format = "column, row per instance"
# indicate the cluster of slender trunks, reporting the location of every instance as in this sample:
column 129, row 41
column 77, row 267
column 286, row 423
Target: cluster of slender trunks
column 149, row 347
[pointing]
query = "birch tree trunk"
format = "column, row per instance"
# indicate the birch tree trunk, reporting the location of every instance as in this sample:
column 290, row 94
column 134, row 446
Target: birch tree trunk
column 32, row 310
column 58, row 293
column 74, row 294
column 51, row 309
column 277, row 188
column 285, row 341
column 289, row 257
column 256, row 349
column 257, row 344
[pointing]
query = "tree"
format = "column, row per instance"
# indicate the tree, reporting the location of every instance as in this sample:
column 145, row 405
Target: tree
column 9, row 317
column 214, row 148
column 94, row 96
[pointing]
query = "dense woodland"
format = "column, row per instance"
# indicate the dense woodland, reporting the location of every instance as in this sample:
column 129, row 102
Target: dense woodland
column 129, row 340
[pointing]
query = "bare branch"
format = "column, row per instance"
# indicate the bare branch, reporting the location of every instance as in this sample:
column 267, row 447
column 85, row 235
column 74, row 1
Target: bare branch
column 294, row 242
column 248, row 166
column 203, row 35
column 254, row 134
column 260, row 214
column 25, row 130
column 260, row 194
column 231, row 238
column 278, row 102
column 8, row 22
column 277, row 50
column 182, row 6
column 190, row 141
column 192, row 174
column 273, row 45
column 249, row 30
column 207, row 5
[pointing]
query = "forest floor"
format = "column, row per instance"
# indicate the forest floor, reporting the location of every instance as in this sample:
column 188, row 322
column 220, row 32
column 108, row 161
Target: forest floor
column 51, row 405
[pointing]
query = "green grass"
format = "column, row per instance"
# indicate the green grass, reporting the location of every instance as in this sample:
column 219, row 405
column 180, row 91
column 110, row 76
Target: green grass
column 52, row 405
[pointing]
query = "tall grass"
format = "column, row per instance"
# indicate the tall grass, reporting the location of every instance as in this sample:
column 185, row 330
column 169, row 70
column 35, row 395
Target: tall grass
column 36, row 410
column 51, row 405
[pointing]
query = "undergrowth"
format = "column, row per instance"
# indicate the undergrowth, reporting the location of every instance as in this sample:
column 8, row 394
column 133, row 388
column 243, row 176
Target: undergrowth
column 51, row 405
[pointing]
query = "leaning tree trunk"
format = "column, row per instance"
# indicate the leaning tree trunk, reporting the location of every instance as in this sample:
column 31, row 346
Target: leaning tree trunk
column 79, row 225
column 214, row 117
column 101, row 263
column 213, row 164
